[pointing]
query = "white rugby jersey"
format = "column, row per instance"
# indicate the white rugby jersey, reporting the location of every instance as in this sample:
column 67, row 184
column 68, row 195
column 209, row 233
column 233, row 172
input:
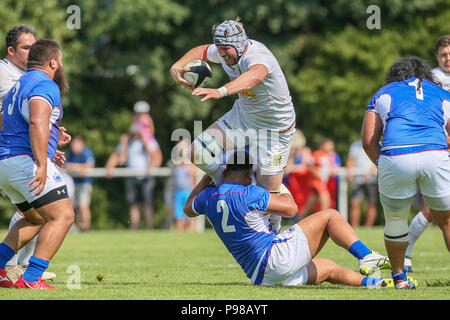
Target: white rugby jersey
column 443, row 77
column 9, row 74
column 268, row 105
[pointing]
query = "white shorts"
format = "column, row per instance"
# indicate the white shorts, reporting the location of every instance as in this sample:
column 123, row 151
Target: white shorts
column 15, row 174
column 398, row 176
column 270, row 148
column 289, row 259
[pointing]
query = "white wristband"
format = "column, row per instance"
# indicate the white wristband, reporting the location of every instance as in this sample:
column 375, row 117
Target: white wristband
column 223, row 91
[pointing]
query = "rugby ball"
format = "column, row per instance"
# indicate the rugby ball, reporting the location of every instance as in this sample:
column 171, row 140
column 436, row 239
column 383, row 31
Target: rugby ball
column 199, row 74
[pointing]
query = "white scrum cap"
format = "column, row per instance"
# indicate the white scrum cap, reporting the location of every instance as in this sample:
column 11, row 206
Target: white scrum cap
column 231, row 33
column 141, row 106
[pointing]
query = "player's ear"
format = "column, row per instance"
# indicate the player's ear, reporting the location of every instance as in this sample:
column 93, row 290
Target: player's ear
column 53, row 63
column 11, row 50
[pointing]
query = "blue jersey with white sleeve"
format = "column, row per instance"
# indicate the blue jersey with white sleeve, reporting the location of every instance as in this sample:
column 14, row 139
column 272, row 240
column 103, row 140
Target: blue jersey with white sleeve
column 414, row 117
column 238, row 215
column 15, row 133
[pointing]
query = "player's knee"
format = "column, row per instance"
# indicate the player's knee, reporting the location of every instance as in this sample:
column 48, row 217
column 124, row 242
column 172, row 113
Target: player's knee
column 396, row 213
column 396, row 226
column 65, row 217
column 330, row 214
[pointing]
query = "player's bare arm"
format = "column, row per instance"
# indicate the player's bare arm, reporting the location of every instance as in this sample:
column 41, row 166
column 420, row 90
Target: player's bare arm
column 39, row 135
column 282, row 205
column 249, row 79
column 372, row 130
column 202, row 185
column 177, row 70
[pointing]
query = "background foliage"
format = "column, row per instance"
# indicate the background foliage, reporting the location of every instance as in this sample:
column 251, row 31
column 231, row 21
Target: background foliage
column 124, row 49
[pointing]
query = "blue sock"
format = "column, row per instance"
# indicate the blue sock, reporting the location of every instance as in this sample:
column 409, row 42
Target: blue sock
column 36, row 268
column 359, row 250
column 369, row 281
column 6, row 253
column 399, row 276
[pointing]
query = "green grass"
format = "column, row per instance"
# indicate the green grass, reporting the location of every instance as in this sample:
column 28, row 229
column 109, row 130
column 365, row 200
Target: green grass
column 191, row 266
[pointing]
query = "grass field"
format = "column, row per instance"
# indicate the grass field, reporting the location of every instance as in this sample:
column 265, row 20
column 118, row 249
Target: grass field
column 167, row 265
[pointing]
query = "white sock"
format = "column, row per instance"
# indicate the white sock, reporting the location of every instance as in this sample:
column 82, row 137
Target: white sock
column 16, row 217
column 418, row 225
column 27, row 252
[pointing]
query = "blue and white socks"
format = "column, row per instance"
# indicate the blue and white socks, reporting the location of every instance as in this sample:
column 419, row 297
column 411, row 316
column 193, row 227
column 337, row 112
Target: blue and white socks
column 359, row 250
column 6, row 253
column 36, row 268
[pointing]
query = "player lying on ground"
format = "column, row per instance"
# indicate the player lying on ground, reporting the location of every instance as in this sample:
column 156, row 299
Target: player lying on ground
column 240, row 213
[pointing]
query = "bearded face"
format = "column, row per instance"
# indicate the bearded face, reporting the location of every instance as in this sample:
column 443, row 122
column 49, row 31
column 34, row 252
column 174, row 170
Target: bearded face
column 60, row 79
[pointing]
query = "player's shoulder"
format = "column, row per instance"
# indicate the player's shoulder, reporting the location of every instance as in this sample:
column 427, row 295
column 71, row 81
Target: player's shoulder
column 257, row 49
column 438, row 72
column 254, row 189
column 4, row 65
column 42, row 83
column 437, row 89
column 389, row 88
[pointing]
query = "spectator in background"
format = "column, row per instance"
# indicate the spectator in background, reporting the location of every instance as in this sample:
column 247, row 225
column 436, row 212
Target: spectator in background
column 144, row 121
column 362, row 185
column 80, row 159
column 135, row 153
column 298, row 177
column 324, row 168
column 184, row 180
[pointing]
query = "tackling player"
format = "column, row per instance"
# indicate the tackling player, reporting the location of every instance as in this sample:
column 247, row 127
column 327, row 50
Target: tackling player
column 240, row 212
column 262, row 117
column 412, row 113
column 28, row 142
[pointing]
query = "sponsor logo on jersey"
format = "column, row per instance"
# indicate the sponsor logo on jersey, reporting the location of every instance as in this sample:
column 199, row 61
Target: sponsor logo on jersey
column 57, row 177
column 248, row 93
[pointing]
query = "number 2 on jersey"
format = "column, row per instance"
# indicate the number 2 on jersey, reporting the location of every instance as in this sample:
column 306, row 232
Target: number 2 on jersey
column 223, row 207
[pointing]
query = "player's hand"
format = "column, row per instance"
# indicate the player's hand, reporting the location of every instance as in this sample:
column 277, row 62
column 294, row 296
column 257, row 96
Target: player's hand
column 39, row 180
column 177, row 74
column 60, row 158
column 207, row 93
column 63, row 137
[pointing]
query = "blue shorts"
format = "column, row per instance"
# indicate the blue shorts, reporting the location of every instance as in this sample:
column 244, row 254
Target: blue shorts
column 180, row 198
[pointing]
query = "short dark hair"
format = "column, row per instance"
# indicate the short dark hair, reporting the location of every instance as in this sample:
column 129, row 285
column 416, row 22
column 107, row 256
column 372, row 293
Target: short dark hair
column 409, row 67
column 239, row 161
column 41, row 52
column 442, row 42
column 13, row 35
